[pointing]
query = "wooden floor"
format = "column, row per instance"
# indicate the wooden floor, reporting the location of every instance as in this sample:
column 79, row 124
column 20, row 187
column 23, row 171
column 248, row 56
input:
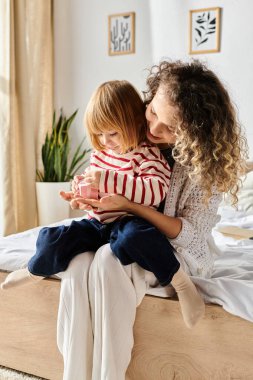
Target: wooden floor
column 219, row 348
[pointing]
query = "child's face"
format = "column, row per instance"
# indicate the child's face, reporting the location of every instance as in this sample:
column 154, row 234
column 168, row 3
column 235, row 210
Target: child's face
column 160, row 120
column 110, row 140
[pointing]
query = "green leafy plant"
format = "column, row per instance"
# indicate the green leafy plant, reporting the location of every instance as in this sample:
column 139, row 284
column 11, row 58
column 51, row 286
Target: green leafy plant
column 55, row 152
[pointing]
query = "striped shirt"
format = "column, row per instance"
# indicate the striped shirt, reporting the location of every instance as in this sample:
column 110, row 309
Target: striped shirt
column 142, row 176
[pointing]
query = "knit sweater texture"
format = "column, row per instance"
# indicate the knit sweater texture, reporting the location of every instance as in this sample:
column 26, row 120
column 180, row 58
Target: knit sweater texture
column 195, row 247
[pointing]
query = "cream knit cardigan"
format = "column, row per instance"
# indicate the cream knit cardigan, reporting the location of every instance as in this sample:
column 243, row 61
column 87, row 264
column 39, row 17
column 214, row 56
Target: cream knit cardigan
column 195, row 247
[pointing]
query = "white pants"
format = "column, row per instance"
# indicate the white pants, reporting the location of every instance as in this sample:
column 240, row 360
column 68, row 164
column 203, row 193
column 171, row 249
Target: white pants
column 97, row 310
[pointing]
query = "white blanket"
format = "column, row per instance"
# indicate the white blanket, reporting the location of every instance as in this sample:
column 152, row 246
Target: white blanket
column 231, row 285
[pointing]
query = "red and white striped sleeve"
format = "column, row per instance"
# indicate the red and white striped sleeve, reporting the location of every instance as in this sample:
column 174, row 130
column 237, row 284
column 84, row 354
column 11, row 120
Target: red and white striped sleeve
column 149, row 182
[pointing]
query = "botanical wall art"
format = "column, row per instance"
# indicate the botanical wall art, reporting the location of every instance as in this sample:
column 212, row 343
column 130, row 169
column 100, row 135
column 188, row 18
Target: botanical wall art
column 121, row 37
column 204, row 30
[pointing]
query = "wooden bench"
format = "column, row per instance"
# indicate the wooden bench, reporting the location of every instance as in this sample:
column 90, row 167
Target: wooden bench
column 220, row 347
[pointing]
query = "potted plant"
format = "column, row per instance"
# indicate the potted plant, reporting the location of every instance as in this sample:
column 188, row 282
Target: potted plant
column 57, row 171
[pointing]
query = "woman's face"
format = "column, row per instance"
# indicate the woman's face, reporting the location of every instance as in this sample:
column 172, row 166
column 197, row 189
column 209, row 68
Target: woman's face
column 160, row 119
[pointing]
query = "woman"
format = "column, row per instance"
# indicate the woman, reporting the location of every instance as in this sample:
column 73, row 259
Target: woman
column 189, row 110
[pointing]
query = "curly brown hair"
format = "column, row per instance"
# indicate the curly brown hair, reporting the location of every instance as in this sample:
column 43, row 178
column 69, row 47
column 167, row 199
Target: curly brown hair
column 209, row 139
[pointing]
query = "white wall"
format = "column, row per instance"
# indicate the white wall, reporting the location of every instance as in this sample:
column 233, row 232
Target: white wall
column 233, row 64
column 81, row 58
column 82, row 62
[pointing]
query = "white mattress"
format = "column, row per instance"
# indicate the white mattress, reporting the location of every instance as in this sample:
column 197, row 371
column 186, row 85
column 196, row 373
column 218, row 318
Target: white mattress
column 231, row 285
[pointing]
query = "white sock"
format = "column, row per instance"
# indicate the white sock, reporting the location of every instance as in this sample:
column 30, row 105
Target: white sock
column 191, row 303
column 20, row 277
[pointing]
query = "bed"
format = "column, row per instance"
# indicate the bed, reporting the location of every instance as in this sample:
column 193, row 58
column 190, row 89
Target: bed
column 219, row 347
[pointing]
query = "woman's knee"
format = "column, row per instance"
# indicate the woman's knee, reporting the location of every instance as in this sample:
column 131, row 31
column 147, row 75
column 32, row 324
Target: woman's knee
column 79, row 266
column 103, row 260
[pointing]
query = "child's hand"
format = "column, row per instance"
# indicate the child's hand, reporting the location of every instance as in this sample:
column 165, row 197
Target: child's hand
column 75, row 183
column 92, row 177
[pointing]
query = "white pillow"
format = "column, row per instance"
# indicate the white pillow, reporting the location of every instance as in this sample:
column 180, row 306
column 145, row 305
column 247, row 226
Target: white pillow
column 245, row 195
column 245, row 198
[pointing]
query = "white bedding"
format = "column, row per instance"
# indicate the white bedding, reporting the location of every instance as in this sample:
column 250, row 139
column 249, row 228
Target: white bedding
column 231, row 285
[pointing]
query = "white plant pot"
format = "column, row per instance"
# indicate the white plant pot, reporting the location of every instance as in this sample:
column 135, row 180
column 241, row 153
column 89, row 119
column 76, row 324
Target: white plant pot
column 51, row 207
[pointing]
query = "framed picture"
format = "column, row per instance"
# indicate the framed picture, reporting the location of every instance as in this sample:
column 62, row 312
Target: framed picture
column 204, row 30
column 121, row 38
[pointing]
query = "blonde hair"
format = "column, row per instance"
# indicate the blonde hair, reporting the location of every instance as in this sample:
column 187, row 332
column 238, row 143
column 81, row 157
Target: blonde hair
column 116, row 106
column 209, row 140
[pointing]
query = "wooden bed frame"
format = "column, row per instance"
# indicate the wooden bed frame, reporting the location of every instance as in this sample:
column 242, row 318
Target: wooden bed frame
column 218, row 348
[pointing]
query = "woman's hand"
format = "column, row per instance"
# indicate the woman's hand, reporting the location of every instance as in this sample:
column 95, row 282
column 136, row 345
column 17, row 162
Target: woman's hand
column 67, row 195
column 73, row 201
column 108, row 202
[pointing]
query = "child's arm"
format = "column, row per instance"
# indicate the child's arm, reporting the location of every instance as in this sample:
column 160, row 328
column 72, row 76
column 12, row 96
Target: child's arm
column 148, row 186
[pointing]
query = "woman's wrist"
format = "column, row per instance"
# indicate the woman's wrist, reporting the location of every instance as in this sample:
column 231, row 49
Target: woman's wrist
column 131, row 207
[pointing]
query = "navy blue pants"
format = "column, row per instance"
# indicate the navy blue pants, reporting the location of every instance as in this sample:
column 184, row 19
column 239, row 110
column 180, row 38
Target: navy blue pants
column 132, row 239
